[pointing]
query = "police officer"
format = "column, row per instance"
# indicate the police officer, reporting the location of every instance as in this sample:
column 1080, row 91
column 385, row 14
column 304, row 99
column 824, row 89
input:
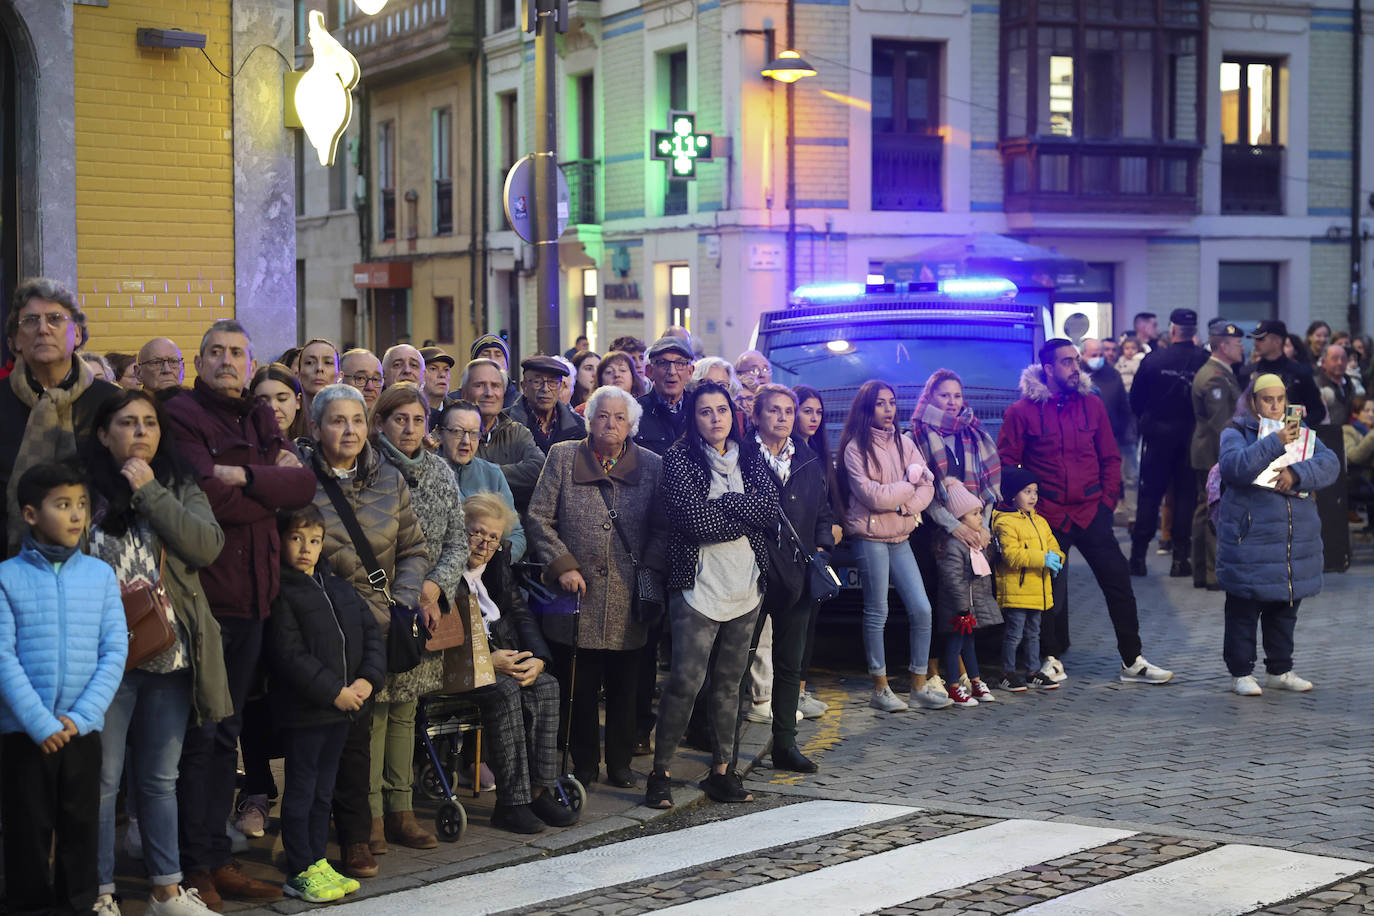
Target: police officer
column 1269, row 336
column 1215, row 393
column 1162, row 397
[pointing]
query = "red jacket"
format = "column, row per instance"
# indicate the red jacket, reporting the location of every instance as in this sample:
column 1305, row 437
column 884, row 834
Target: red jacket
column 1067, row 443
column 212, row 429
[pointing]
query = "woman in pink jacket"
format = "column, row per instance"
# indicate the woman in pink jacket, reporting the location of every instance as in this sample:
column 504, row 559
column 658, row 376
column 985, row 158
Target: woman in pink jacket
column 884, row 485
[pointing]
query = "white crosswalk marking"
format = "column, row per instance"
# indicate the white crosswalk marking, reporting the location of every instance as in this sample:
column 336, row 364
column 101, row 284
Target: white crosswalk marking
column 1226, row 881
column 631, row 860
column 899, row 875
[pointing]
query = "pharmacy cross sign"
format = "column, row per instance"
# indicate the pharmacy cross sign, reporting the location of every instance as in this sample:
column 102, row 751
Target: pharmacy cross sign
column 680, row 145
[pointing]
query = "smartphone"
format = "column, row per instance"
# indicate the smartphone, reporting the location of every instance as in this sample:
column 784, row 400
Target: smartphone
column 1292, row 414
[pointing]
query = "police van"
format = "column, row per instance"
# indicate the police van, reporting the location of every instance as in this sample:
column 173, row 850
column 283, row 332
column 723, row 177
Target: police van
column 834, row 337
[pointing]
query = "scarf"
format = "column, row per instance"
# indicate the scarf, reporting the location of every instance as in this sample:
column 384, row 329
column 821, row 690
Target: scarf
column 49, row 434
column 55, row 554
column 409, row 467
column 485, row 603
column 781, row 463
column 980, row 451
column 1360, row 427
column 725, row 471
column 608, row 464
column 979, row 561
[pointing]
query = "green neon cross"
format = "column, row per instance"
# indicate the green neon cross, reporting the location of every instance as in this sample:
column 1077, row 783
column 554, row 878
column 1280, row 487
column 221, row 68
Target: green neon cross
column 680, row 146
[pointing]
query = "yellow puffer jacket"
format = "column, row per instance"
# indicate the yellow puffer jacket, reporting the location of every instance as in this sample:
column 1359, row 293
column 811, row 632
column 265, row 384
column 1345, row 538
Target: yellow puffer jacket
column 1023, row 539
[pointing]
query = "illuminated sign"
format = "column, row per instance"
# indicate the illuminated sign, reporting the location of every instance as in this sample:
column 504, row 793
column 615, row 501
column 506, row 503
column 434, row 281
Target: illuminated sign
column 680, row 145
column 321, row 98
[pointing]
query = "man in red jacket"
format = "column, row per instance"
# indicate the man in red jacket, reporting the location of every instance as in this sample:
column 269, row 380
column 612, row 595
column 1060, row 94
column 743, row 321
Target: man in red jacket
column 1061, row 433
column 244, row 467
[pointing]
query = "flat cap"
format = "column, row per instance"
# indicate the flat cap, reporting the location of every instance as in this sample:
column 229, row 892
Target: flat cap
column 436, row 355
column 675, row 344
column 544, row 364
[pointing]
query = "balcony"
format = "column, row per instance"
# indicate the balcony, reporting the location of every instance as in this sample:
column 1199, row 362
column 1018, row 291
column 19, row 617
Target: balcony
column 907, row 170
column 581, row 175
column 410, row 37
column 1251, row 179
column 1054, row 175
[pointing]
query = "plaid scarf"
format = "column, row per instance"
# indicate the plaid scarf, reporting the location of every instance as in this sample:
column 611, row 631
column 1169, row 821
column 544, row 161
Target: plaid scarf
column 980, row 451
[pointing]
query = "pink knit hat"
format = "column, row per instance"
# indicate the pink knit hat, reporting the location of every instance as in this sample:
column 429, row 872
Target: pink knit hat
column 959, row 501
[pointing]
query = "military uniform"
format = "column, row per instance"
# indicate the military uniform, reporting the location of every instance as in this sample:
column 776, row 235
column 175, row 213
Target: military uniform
column 1216, row 391
column 1161, row 397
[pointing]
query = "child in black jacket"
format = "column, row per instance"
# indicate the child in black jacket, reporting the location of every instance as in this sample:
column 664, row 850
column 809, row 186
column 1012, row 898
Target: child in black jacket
column 327, row 657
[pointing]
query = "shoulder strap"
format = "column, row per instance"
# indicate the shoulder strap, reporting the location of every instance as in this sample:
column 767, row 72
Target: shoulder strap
column 615, row 523
column 375, row 574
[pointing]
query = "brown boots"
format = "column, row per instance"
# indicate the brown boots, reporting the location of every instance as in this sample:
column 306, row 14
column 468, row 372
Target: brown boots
column 358, row 861
column 401, row 827
column 376, row 841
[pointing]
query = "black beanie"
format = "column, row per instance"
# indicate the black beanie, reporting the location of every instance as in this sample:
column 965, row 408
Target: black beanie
column 1014, row 480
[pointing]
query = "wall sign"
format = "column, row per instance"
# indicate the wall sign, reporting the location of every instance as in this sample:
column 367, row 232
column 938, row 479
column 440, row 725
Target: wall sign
column 680, row 145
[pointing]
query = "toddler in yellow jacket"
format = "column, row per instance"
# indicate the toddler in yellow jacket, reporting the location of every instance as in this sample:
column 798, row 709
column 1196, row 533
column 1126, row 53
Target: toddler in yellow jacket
column 1028, row 557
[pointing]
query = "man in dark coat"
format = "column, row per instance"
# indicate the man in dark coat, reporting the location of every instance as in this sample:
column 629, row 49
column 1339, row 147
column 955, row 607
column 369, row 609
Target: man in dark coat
column 1162, row 398
column 241, row 462
column 505, row 443
column 1337, row 390
column 1269, row 337
column 669, row 369
column 539, row 410
column 1059, row 431
column 1109, row 387
column 1215, row 393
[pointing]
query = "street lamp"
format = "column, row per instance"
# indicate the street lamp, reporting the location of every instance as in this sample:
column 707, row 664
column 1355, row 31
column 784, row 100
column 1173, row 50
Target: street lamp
column 787, row 68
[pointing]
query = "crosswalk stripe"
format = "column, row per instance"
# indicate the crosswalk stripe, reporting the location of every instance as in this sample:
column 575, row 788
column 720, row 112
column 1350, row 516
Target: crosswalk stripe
column 918, row 870
column 631, row 860
column 1225, row 881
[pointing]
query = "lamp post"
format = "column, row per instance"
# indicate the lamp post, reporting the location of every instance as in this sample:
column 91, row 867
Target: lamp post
column 543, row 17
column 787, row 68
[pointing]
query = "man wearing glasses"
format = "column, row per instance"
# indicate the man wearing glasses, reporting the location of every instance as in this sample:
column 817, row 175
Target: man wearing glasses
column 547, row 418
column 160, row 365
column 669, row 370
column 363, row 370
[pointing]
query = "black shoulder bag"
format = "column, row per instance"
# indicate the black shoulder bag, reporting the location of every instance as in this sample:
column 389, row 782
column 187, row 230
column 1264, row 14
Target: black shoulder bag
column 821, row 577
column 648, row 601
column 406, row 636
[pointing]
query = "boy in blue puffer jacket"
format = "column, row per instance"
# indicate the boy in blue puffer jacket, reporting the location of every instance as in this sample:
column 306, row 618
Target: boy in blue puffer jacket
column 63, row 642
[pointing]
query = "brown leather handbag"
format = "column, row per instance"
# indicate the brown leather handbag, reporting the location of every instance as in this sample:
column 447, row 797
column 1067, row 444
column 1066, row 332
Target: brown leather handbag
column 147, row 612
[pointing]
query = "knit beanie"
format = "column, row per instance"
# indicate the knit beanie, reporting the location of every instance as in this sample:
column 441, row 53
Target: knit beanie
column 487, row 340
column 1014, row 480
column 959, row 501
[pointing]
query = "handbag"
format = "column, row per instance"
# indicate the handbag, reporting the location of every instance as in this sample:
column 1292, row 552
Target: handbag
column 448, row 633
column 649, row 600
column 821, row 577
column 147, row 613
column 468, row 666
column 405, row 641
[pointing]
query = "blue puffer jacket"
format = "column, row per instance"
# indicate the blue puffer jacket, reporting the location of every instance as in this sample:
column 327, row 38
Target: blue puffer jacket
column 63, row 641
column 1269, row 546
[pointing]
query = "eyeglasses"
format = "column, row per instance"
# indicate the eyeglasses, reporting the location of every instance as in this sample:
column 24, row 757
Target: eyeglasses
column 363, row 380
column 54, row 321
column 477, row 539
column 544, row 384
column 759, row 370
column 464, row 435
column 158, row 365
column 672, row 365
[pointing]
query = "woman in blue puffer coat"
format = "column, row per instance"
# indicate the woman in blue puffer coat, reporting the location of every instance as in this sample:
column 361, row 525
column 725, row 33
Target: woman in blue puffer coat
column 1269, row 544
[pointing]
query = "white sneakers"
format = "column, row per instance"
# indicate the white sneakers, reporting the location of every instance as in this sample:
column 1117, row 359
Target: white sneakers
column 1053, row 669
column 931, row 697
column 1142, row 672
column 886, row 701
column 810, row 707
column 187, row 903
column 105, row 905
column 763, row 712
column 1246, row 686
column 1288, row 681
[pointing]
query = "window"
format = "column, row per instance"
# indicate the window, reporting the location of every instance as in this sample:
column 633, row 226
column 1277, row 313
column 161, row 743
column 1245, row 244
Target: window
column 509, row 141
column 386, row 180
column 1252, row 135
column 299, row 137
column 590, row 287
column 581, row 172
column 1248, row 291
column 1100, row 103
column 338, row 176
column 675, row 197
column 680, row 295
column 442, row 129
column 505, row 14
column 908, row 150
column 443, row 319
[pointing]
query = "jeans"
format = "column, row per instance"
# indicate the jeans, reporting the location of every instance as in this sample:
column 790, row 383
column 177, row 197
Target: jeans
column 1276, row 620
column 701, row 644
column 392, row 758
column 148, row 719
column 210, row 755
column 879, row 564
column 959, row 645
column 1097, row 543
column 1020, row 640
column 312, row 764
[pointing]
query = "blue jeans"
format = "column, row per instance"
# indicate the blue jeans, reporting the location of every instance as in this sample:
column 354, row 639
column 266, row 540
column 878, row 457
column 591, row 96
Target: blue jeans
column 879, row 564
column 150, row 713
column 1023, row 631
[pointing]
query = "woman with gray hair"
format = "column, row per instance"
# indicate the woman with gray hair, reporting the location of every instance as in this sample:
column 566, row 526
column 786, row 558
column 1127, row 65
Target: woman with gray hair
column 375, row 772
column 592, row 498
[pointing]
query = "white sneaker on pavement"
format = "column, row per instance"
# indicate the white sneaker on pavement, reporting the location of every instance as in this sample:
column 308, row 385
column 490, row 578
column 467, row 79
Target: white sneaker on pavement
column 105, row 905
column 1246, row 686
column 1288, row 681
column 928, row 698
column 187, row 903
column 1053, row 669
column 887, row 701
column 810, row 707
column 1142, row 672
column 760, row 712
column 936, row 685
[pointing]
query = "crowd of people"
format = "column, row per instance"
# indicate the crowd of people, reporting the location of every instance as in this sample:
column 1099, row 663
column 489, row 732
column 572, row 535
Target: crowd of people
column 279, row 524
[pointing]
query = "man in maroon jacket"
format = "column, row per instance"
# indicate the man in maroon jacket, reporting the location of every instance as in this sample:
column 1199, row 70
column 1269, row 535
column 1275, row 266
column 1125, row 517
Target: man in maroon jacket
column 242, row 464
column 1061, row 433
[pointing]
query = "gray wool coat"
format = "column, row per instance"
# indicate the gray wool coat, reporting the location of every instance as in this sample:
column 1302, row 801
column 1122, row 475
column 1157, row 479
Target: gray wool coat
column 569, row 528
column 438, row 504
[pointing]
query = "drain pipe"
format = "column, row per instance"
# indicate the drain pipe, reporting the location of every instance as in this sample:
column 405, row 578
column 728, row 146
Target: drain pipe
column 1356, row 318
column 790, row 42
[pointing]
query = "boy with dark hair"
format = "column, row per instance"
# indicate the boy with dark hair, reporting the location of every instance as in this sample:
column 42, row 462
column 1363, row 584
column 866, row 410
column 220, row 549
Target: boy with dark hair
column 326, row 655
column 63, row 643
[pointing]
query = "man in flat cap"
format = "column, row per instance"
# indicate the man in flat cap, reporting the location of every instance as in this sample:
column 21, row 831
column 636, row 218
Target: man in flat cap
column 669, row 368
column 438, row 378
column 1162, row 398
column 548, row 419
column 1215, row 394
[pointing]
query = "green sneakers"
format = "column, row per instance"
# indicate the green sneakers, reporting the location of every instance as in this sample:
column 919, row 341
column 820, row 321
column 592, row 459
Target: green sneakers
column 315, row 885
column 348, row 884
